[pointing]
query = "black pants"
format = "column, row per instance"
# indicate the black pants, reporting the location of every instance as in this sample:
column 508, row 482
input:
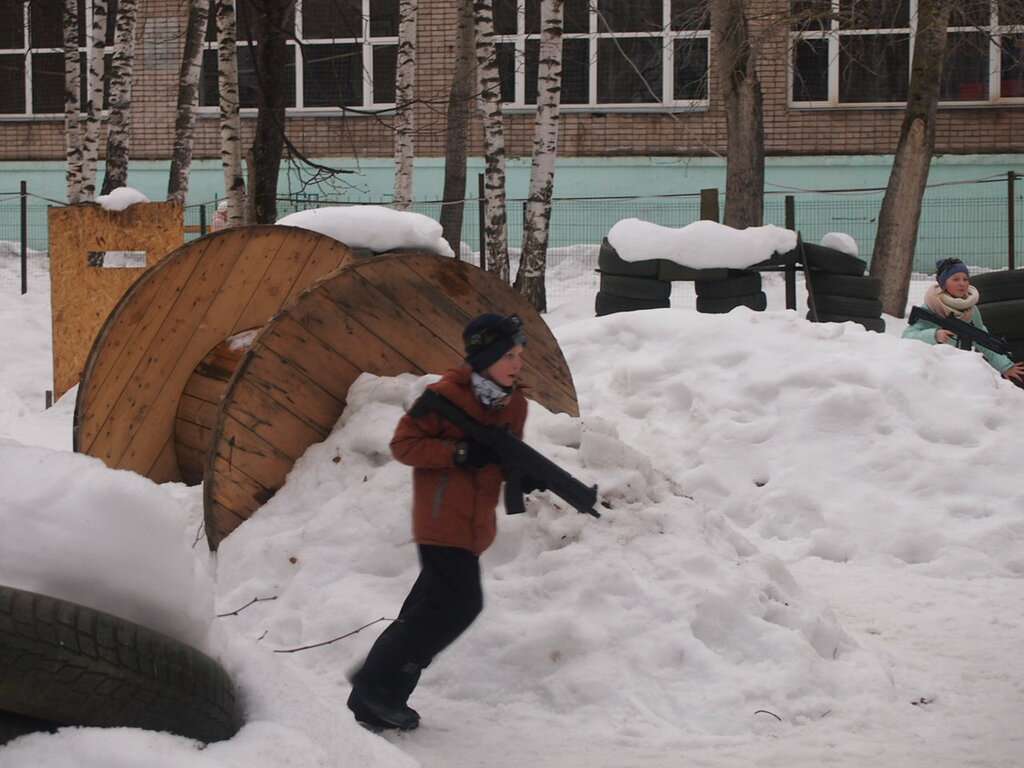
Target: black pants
column 444, row 601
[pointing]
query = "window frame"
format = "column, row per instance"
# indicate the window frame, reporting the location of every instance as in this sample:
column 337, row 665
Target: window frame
column 834, row 33
column 365, row 40
column 666, row 34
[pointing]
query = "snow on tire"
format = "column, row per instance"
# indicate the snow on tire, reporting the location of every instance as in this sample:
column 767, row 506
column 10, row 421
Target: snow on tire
column 69, row 664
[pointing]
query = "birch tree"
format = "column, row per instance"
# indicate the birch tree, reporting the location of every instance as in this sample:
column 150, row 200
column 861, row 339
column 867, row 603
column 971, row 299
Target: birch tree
column 536, row 228
column 489, row 84
column 736, row 60
column 459, row 99
column 188, row 100
column 119, row 118
column 72, row 106
column 94, row 100
column 230, row 119
column 405, row 100
column 893, row 256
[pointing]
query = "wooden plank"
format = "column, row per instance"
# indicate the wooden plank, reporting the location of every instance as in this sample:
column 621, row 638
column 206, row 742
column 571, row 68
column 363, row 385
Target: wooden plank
column 387, row 323
column 289, row 433
column 323, row 262
column 165, row 365
column 281, row 257
column 165, row 467
column 310, row 356
column 247, row 453
column 236, row 491
column 193, row 435
column 204, row 388
column 197, row 411
column 290, row 389
column 325, row 320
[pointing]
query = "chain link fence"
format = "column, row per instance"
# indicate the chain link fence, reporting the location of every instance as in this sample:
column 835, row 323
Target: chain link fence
column 975, row 228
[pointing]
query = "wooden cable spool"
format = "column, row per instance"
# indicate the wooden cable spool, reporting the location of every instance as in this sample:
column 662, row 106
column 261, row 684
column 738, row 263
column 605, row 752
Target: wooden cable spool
column 174, row 391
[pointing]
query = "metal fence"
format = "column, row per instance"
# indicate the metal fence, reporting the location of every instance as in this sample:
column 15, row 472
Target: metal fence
column 976, row 228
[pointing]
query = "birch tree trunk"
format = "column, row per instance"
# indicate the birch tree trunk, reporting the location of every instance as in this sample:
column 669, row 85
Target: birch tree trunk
column 459, row 100
column 271, row 28
column 119, row 119
column 893, row 256
column 489, row 83
column 188, row 100
column 744, row 114
column 230, row 120
column 72, row 106
column 405, row 101
column 536, row 228
column 94, row 102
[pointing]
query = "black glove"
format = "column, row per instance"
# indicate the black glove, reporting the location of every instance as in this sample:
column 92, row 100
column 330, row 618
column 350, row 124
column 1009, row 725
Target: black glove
column 530, row 484
column 471, row 454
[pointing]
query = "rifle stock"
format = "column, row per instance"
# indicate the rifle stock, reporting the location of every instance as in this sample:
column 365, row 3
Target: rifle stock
column 518, row 460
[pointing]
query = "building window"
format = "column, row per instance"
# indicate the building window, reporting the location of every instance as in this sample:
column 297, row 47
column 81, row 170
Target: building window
column 32, row 55
column 342, row 53
column 615, row 53
column 859, row 52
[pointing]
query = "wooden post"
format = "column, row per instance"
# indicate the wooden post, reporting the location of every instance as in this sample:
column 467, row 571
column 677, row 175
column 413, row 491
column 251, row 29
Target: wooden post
column 481, row 220
column 791, row 266
column 49, row 399
column 1011, row 219
column 24, row 238
column 202, row 218
column 709, row 204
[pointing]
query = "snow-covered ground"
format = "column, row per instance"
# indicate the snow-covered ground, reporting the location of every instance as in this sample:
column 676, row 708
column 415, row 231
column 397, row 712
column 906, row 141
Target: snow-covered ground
column 811, row 553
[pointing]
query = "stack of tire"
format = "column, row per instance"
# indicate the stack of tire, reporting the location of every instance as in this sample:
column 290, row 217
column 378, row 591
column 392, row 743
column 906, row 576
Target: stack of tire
column 628, row 285
column 737, row 288
column 839, row 291
column 1002, row 306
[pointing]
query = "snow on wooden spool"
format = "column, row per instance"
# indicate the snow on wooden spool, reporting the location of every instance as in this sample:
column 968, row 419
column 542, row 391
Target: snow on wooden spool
column 401, row 312
column 169, row 321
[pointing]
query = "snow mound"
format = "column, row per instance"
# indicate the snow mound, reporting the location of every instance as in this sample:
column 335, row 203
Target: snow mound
column 11, row 249
column 121, row 198
column 840, row 241
column 372, row 226
column 631, row 617
column 110, row 540
column 700, row 245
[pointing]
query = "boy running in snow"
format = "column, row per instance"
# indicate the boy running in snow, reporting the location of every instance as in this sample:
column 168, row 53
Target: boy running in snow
column 456, row 483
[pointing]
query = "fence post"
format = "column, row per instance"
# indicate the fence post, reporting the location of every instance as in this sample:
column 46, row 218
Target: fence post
column 1011, row 218
column 24, row 237
column 791, row 266
column 709, row 204
column 480, row 219
column 790, row 212
column 202, row 218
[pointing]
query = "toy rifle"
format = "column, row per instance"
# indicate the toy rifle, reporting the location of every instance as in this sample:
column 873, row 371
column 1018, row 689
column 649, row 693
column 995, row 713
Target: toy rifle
column 966, row 334
column 518, row 460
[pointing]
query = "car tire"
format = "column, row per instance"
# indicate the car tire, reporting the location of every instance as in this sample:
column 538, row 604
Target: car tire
column 755, row 301
column 738, row 283
column 609, row 304
column 1006, row 285
column 1004, row 318
column 635, row 287
column 12, row 726
column 828, row 304
column 845, row 285
column 822, row 259
column 610, row 263
column 69, row 664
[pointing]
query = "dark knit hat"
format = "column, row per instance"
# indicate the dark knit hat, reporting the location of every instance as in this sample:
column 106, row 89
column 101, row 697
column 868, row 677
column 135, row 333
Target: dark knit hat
column 946, row 268
column 487, row 337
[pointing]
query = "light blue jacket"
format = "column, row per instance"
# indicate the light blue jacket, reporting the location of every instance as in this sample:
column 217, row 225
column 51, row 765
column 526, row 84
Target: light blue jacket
column 924, row 330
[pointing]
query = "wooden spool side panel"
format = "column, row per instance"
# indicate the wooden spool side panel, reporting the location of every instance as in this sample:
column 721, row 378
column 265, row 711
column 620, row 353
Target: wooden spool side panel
column 242, row 276
column 386, row 316
column 83, row 295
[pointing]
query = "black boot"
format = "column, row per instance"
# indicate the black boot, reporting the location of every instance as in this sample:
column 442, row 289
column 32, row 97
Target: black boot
column 376, row 709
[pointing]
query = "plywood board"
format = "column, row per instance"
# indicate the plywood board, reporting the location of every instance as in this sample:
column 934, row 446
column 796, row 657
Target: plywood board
column 82, row 296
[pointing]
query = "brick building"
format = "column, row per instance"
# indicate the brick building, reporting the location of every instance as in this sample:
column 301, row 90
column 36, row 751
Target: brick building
column 639, row 96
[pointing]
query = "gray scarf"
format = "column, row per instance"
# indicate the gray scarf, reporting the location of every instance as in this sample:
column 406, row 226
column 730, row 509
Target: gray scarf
column 490, row 393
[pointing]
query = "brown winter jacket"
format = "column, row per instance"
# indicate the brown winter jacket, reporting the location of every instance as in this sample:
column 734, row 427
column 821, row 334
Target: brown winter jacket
column 453, row 506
